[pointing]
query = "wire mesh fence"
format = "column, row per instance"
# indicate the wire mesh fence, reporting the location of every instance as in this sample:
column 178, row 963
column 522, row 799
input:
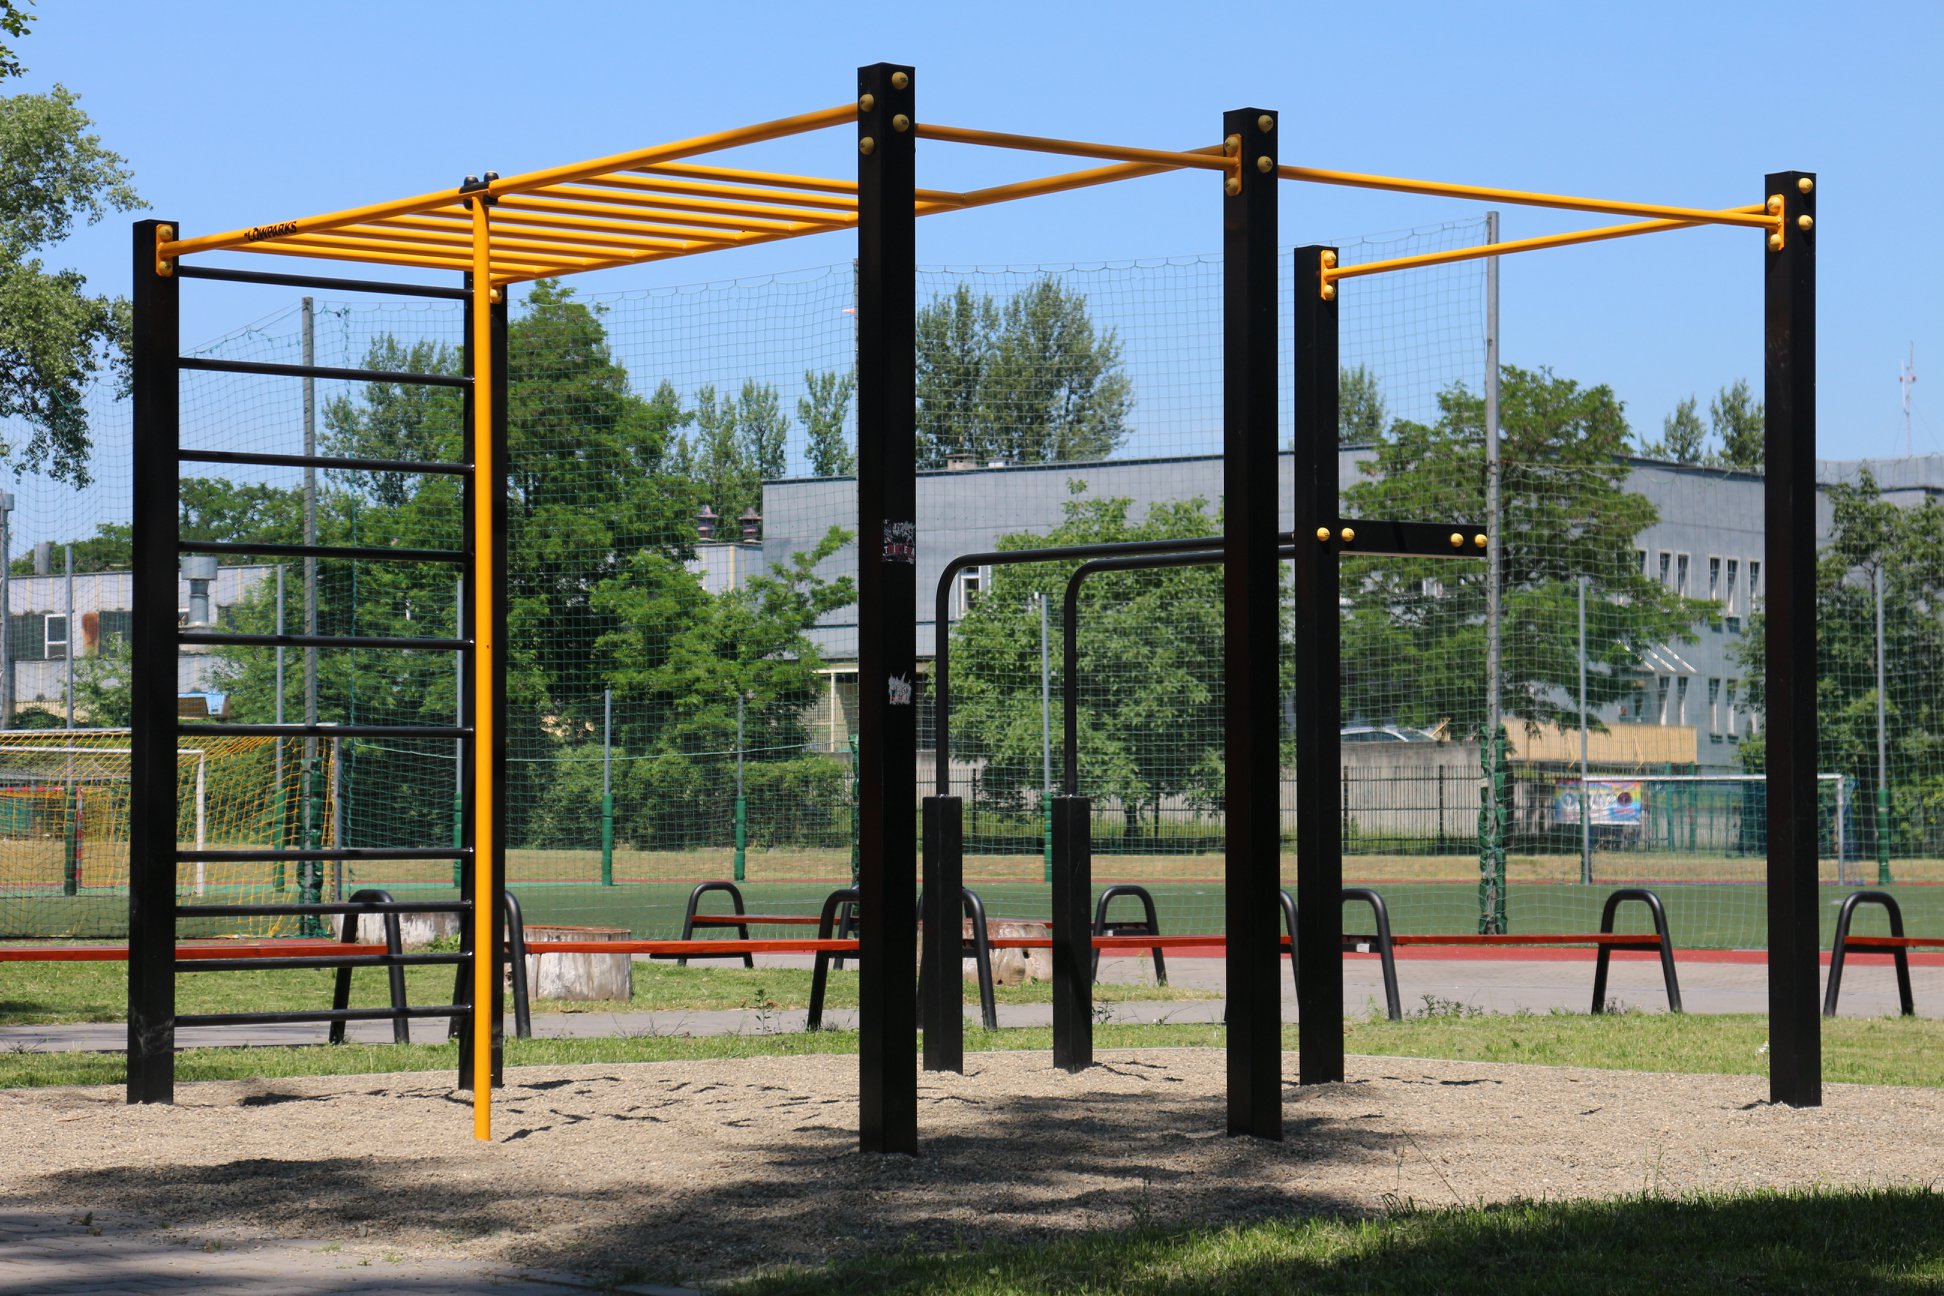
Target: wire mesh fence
column 681, row 675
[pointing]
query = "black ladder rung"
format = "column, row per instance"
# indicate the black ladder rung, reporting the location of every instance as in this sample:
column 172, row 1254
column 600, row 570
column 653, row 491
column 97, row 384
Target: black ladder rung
column 333, row 462
column 325, row 731
column 374, row 553
column 327, row 853
column 189, row 911
column 211, row 365
column 318, row 1015
column 323, row 283
column 298, row 962
column 321, row 641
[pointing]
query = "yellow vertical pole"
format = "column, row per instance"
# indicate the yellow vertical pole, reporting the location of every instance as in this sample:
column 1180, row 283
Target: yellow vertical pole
column 485, row 741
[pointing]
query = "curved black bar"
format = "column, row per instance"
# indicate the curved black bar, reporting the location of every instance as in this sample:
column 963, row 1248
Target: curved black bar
column 1380, row 939
column 516, row 950
column 688, row 918
column 394, row 947
column 1070, row 618
column 942, row 611
column 1839, row 949
column 847, row 898
column 1663, row 941
column 1150, row 925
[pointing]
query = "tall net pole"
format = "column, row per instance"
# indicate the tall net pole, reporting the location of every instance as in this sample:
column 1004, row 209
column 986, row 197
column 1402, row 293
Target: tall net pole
column 1491, row 888
column 310, row 873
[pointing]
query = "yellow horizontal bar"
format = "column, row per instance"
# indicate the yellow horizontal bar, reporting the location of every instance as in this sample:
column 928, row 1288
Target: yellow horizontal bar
column 698, row 172
column 362, row 235
column 745, row 240
column 1756, row 216
column 445, row 238
column 1075, row 148
column 644, row 217
column 378, row 258
column 520, row 183
column 505, row 215
column 517, row 231
column 697, row 188
column 1062, row 183
column 462, row 259
column 1481, row 250
column 765, row 212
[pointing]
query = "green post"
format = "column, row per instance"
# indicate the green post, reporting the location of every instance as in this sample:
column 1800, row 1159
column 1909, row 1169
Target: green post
column 857, row 870
column 310, row 873
column 742, row 834
column 1494, row 801
column 607, row 840
column 71, row 842
column 1883, row 833
column 458, row 841
column 1046, row 836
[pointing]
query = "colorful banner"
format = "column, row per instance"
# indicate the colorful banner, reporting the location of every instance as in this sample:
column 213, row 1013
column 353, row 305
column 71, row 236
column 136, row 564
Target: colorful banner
column 1613, row 801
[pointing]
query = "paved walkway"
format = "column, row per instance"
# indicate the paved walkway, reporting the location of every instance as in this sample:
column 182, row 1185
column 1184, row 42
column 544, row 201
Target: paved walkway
column 1489, row 985
column 71, row 1255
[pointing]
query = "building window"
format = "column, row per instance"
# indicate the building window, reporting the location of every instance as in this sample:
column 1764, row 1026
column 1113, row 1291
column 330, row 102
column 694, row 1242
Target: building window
column 1714, row 577
column 1754, row 581
column 1665, row 684
column 57, row 635
column 1680, row 700
column 117, row 626
column 1714, row 710
column 1730, row 693
column 972, row 582
column 1640, row 562
column 1681, row 575
column 1734, row 567
column 1666, row 559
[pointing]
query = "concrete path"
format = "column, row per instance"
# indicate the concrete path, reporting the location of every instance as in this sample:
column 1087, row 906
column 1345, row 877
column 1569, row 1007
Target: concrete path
column 1488, row 985
column 45, row 1254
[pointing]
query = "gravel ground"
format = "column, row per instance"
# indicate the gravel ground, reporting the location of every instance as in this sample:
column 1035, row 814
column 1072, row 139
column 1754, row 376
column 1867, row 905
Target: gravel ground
column 691, row 1171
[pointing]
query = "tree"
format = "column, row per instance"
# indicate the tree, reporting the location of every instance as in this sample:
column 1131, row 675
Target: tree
column 1683, row 438
column 1414, row 630
column 410, row 421
column 1872, row 539
column 1029, row 382
column 821, row 410
column 1150, row 666
column 1361, row 415
column 1738, row 426
column 54, row 336
column 738, row 444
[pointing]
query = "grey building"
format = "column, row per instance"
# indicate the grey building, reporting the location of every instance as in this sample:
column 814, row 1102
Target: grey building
column 1689, row 702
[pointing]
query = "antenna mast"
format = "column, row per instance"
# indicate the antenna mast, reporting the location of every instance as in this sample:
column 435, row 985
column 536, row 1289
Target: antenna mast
column 1905, row 380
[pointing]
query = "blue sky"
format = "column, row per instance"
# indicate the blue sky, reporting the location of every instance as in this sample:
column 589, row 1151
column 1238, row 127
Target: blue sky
column 234, row 114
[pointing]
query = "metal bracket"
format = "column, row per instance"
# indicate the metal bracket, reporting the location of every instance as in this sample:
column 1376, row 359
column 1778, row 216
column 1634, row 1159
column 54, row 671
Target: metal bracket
column 1405, row 539
column 164, row 266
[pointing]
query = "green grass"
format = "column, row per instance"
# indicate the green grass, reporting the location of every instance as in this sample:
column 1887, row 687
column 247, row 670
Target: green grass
column 46, row 994
column 1864, row 1240
column 1703, row 916
column 1886, row 1050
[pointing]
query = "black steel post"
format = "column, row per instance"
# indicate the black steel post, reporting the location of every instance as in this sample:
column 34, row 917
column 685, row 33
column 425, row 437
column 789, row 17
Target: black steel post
column 887, row 610
column 1318, row 628
column 468, row 700
column 1789, row 562
column 157, row 345
column 1072, row 933
column 942, row 1009
column 1252, row 633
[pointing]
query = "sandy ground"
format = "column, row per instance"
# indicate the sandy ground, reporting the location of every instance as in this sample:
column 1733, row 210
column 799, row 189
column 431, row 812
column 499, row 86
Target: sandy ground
column 688, row 1171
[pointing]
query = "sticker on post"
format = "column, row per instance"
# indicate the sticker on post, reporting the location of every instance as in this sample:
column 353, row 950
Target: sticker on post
column 900, row 690
column 901, row 543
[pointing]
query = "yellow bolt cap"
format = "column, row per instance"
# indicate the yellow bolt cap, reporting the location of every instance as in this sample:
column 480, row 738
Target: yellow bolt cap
column 1775, row 242
column 1232, row 145
column 1457, row 540
column 1805, row 222
column 1348, row 535
column 900, row 80
column 1329, row 292
column 867, row 103
column 1265, row 123
column 1479, row 539
column 1323, row 533
column 1265, row 164
column 867, row 146
column 1329, row 260
column 901, row 123
column 1775, row 204
column 1231, row 186
column 1806, row 185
